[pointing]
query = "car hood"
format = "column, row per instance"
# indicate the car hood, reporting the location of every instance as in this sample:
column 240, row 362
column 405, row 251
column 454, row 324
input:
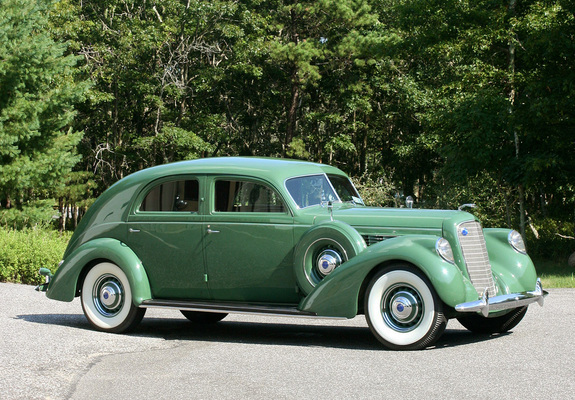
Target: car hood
column 393, row 221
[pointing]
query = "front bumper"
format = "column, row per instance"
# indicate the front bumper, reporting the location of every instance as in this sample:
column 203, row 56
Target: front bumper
column 504, row 301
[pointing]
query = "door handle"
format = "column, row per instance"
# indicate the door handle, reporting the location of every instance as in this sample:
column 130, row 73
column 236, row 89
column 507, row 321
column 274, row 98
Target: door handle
column 211, row 231
column 131, row 230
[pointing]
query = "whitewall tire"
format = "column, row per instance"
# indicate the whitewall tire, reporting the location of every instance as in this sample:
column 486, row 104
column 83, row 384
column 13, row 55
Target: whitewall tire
column 402, row 309
column 107, row 299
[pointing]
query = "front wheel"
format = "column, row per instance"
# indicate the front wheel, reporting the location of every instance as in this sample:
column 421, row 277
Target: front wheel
column 107, row 299
column 402, row 309
column 503, row 323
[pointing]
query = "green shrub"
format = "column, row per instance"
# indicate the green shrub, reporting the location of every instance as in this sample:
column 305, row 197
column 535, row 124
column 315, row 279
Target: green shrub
column 23, row 253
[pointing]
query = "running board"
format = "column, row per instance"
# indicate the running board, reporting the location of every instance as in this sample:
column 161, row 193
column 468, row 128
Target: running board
column 232, row 308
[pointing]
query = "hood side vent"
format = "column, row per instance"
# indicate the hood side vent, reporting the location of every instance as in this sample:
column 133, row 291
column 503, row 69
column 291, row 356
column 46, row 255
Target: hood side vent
column 373, row 239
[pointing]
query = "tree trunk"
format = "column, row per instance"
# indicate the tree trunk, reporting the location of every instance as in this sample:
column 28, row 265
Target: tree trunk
column 292, row 112
column 61, row 220
column 512, row 96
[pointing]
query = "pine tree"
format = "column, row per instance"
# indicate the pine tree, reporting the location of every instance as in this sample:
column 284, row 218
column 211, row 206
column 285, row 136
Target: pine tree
column 37, row 97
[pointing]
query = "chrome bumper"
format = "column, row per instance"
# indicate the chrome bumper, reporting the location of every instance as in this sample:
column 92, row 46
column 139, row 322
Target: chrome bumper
column 504, row 301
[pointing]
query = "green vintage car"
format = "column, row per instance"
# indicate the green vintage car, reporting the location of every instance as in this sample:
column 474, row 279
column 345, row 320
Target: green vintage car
column 252, row 235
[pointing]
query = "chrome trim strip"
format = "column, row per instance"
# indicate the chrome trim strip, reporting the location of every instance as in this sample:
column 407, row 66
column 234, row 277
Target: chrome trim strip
column 232, row 308
column 504, row 302
column 394, row 229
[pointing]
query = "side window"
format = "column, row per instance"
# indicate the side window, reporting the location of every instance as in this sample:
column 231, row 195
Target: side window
column 179, row 195
column 242, row 196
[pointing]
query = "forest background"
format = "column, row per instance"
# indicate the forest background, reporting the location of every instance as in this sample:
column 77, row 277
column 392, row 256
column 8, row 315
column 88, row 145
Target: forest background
column 449, row 101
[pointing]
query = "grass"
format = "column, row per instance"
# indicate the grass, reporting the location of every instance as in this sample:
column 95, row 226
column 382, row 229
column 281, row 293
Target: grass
column 555, row 273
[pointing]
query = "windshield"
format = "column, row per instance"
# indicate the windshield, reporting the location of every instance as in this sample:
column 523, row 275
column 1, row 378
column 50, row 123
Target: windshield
column 313, row 190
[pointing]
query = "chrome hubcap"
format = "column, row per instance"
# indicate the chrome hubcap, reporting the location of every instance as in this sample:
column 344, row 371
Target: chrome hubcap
column 327, row 261
column 108, row 295
column 402, row 308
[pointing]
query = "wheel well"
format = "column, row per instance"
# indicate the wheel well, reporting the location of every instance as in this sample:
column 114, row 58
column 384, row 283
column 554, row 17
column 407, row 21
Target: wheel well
column 370, row 276
column 85, row 271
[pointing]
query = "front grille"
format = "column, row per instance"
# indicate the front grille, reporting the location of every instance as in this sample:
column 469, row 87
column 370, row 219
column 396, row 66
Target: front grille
column 472, row 243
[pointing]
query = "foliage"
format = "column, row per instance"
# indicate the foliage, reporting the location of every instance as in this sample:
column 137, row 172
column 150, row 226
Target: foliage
column 377, row 193
column 37, row 213
column 37, row 97
column 449, row 101
column 24, row 252
column 551, row 239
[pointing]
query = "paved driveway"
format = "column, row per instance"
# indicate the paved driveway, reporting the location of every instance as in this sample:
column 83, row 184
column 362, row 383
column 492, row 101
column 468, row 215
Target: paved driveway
column 48, row 351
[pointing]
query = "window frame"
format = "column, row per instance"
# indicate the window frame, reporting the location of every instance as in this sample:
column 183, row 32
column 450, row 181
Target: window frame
column 146, row 190
column 235, row 178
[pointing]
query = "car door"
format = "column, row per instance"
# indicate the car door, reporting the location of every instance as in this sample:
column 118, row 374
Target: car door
column 249, row 242
column 165, row 230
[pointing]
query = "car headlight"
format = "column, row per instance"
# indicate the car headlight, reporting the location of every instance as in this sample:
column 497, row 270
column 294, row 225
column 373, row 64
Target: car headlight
column 516, row 241
column 443, row 248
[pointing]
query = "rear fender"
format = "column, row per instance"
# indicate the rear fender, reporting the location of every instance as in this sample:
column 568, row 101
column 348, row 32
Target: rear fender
column 63, row 286
column 338, row 294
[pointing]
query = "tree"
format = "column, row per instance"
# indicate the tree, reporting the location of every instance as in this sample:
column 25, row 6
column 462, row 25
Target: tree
column 37, row 97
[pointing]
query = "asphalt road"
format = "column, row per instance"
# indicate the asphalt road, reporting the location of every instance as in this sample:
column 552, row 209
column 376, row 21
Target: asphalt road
column 48, row 351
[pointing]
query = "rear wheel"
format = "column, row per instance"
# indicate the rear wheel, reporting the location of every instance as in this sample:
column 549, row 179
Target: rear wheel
column 107, row 299
column 203, row 317
column 402, row 309
column 479, row 324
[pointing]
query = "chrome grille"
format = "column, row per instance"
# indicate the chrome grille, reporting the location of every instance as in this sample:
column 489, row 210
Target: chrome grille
column 472, row 243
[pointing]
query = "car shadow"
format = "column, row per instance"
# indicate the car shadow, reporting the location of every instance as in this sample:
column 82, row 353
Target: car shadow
column 271, row 333
column 68, row 320
column 262, row 333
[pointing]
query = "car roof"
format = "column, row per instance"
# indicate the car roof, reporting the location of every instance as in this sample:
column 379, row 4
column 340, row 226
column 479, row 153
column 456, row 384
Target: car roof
column 272, row 169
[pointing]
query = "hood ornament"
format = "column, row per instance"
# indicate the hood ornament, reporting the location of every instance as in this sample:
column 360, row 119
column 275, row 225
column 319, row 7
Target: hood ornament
column 467, row 205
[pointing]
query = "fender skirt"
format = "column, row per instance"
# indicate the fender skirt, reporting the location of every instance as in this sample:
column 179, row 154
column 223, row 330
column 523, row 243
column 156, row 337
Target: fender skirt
column 338, row 294
column 63, row 285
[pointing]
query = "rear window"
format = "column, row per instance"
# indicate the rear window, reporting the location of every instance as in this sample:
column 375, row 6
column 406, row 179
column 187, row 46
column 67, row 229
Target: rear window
column 178, row 195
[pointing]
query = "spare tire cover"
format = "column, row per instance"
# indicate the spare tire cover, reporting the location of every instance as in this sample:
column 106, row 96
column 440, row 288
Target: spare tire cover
column 321, row 240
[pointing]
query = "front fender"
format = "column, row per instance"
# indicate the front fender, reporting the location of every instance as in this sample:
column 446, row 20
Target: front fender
column 63, row 286
column 513, row 272
column 338, row 294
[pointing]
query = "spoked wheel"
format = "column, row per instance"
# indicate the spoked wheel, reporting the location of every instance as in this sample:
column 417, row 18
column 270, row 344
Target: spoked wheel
column 203, row 317
column 503, row 323
column 402, row 309
column 107, row 299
